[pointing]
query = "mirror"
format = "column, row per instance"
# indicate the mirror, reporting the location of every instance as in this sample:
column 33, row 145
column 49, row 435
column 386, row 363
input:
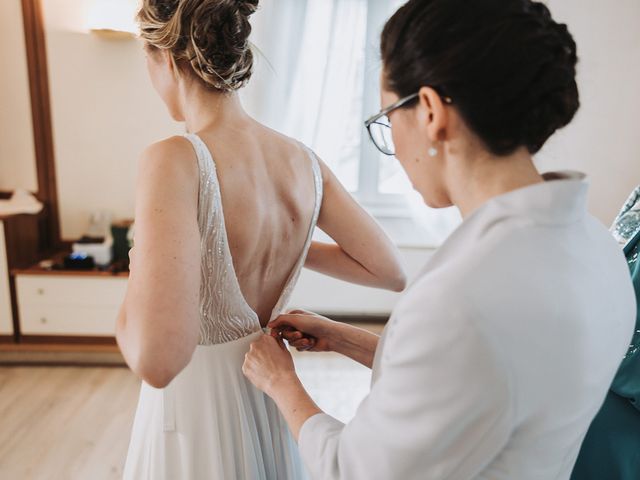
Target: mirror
column 17, row 151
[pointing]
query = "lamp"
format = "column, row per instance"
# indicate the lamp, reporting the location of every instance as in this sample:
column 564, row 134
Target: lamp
column 113, row 18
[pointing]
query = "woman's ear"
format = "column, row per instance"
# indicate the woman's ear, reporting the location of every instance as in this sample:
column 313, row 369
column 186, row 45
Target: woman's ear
column 433, row 115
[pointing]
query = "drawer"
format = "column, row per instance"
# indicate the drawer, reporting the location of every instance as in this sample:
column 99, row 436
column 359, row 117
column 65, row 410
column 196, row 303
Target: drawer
column 71, row 291
column 67, row 320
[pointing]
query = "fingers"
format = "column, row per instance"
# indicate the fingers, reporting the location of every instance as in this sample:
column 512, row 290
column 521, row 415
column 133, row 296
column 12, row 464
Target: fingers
column 285, row 320
column 263, row 342
column 297, row 339
column 291, row 335
column 299, row 311
column 304, row 344
column 281, row 343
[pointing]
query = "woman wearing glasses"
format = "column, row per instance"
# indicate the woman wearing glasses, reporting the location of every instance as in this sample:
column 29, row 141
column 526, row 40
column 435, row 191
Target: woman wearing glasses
column 500, row 353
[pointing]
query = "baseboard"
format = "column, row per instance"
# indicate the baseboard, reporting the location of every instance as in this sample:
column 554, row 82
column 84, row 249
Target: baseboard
column 66, row 340
column 76, row 354
column 370, row 319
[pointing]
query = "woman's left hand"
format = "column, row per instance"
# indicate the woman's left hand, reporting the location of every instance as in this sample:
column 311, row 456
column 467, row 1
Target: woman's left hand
column 268, row 364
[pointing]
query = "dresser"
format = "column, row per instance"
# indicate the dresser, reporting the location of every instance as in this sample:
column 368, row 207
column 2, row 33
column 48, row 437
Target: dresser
column 19, row 247
column 65, row 304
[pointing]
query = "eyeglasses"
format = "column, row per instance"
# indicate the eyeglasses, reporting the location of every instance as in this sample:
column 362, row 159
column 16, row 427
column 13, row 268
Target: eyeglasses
column 379, row 126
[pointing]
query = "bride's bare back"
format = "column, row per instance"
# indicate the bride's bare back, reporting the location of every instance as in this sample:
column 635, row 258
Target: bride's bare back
column 268, row 194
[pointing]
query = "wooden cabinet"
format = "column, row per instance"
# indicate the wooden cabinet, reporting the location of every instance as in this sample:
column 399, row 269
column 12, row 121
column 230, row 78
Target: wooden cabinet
column 69, row 305
column 19, row 247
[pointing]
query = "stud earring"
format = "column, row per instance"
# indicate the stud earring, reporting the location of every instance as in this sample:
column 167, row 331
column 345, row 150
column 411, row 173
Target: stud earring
column 433, row 151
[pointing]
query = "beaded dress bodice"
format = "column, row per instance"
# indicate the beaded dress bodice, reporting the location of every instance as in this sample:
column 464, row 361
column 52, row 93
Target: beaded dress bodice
column 224, row 313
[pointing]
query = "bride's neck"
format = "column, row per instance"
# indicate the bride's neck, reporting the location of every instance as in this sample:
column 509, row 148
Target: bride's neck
column 203, row 108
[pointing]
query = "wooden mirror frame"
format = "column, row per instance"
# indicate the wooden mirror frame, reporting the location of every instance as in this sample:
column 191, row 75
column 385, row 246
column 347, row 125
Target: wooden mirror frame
column 47, row 193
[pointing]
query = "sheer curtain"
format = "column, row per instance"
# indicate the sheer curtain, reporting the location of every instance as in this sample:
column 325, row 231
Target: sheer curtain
column 312, row 88
column 315, row 60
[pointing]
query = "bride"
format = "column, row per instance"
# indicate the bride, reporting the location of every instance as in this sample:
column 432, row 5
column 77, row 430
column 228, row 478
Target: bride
column 224, row 223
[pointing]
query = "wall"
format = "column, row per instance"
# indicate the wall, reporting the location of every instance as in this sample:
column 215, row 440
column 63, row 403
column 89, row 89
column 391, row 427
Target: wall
column 105, row 113
column 17, row 154
column 602, row 141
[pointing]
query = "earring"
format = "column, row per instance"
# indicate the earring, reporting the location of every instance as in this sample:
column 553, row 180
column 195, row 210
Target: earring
column 433, row 151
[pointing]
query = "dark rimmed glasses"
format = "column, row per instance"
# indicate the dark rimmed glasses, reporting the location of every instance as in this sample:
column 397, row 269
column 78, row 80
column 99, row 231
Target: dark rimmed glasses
column 379, row 126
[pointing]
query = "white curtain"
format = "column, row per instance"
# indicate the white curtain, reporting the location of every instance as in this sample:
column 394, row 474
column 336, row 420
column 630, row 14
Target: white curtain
column 309, row 84
column 312, row 89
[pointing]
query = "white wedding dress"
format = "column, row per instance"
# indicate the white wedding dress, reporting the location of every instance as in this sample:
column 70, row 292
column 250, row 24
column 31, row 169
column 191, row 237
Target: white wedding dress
column 210, row 422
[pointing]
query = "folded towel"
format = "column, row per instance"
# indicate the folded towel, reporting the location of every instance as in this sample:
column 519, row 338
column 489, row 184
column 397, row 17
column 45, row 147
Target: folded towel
column 21, row 201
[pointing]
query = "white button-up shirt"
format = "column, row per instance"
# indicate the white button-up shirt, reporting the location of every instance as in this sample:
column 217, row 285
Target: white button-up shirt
column 498, row 356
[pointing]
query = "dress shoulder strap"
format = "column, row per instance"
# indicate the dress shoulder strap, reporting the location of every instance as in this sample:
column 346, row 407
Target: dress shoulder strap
column 295, row 273
column 209, row 192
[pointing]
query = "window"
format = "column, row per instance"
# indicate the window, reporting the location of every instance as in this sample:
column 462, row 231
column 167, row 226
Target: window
column 382, row 180
column 329, row 83
column 317, row 80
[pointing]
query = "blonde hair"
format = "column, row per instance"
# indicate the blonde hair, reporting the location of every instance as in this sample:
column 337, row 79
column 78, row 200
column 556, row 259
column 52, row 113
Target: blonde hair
column 209, row 36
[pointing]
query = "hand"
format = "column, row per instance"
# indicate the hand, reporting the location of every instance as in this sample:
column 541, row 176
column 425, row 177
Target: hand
column 268, row 364
column 304, row 330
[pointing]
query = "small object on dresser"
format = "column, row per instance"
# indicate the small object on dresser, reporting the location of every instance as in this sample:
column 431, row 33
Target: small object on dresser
column 121, row 244
column 101, row 249
column 79, row 261
column 47, row 264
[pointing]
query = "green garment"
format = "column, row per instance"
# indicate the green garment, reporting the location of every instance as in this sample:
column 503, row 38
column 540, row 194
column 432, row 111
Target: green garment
column 611, row 449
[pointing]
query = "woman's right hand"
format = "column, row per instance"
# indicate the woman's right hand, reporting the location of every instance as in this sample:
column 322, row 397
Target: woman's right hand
column 305, row 331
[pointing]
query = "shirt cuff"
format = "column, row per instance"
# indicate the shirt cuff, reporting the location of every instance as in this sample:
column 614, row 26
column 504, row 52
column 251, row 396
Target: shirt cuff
column 315, row 440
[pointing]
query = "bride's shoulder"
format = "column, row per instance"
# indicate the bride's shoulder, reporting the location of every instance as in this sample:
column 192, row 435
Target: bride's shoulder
column 176, row 146
column 169, row 161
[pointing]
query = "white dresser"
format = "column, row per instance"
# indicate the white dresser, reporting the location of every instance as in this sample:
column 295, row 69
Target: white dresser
column 81, row 304
column 69, row 305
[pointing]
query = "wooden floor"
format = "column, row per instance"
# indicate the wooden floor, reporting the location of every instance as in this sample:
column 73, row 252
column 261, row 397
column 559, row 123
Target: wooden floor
column 68, row 423
column 60, row 423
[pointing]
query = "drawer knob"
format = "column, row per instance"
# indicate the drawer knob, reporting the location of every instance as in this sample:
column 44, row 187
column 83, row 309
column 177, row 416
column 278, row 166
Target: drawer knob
column 40, row 291
column 43, row 320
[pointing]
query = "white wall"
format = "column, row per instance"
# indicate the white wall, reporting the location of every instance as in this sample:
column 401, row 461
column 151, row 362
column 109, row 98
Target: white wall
column 603, row 139
column 323, row 294
column 17, row 154
column 105, row 113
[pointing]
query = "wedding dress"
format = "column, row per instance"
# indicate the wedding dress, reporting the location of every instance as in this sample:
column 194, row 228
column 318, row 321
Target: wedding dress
column 210, row 422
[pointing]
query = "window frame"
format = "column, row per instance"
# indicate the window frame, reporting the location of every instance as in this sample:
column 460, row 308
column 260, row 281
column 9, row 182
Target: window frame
column 368, row 192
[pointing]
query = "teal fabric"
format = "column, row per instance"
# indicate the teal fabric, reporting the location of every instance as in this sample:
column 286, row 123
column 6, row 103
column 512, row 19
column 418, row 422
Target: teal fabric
column 611, row 449
column 627, row 380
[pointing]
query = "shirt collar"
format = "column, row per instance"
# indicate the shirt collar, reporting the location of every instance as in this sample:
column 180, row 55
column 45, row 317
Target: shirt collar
column 560, row 199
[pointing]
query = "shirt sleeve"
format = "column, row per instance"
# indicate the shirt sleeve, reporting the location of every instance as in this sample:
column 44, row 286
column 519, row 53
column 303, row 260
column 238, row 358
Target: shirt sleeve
column 440, row 409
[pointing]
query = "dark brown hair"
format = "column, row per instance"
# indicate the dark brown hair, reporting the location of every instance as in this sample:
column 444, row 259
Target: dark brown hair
column 209, row 36
column 508, row 66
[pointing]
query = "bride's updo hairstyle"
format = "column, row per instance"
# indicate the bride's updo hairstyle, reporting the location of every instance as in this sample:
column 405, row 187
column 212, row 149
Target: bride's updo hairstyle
column 507, row 65
column 211, row 37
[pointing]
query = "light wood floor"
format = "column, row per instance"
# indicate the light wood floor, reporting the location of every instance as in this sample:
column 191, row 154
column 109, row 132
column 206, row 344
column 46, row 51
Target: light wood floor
column 65, row 422
column 68, row 423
